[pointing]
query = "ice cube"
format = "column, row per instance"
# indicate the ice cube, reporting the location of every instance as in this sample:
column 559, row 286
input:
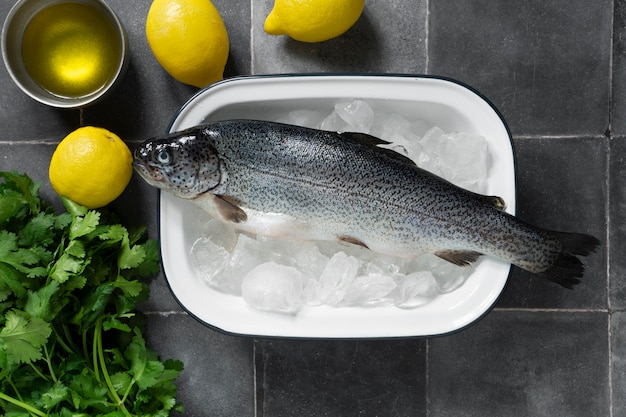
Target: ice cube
column 415, row 289
column 277, row 250
column 466, row 163
column 308, row 258
column 334, row 123
column 396, row 129
column 434, row 145
column 311, row 292
column 337, row 276
column 424, row 262
column 306, row 118
column 357, row 114
column 449, row 276
column 246, row 255
column 209, row 260
column 273, row 287
column 368, row 289
column 419, row 128
column 220, row 233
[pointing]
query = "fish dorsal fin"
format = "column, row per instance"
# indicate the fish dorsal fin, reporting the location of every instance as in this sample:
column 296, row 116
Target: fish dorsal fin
column 369, row 140
column 459, row 257
column 362, row 138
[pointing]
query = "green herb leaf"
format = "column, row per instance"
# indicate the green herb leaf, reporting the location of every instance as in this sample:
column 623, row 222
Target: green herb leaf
column 24, row 337
column 57, row 393
column 66, row 266
column 83, row 225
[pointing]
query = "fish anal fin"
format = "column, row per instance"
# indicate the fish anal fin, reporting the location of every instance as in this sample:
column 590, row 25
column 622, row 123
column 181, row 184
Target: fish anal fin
column 229, row 210
column 459, row 257
column 352, row 240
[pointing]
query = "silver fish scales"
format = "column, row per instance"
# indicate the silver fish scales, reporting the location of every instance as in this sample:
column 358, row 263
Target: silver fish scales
column 299, row 183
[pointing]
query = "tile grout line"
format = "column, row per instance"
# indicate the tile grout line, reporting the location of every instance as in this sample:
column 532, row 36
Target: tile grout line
column 574, row 136
column 610, row 364
column 427, row 378
column 427, row 38
column 607, row 215
column 252, row 69
column 255, row 406
column 551, row 310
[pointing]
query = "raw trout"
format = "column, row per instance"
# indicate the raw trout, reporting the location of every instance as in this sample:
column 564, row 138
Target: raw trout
column 293, row 182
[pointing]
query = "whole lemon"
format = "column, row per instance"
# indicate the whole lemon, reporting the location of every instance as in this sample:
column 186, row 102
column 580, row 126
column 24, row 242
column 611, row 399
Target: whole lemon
column 189, row 39
column 313, row 20
column 91, row 166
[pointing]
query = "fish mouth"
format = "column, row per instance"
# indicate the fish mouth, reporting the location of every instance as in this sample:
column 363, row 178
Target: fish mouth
column 149, row 173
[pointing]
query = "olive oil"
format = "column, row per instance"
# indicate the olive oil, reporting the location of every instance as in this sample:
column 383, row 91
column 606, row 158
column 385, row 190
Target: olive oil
column 71, row 49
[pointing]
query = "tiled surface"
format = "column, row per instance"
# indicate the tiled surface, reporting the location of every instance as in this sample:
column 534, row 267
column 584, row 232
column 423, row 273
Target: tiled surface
column 342, row 378
column 556, row 70
column 545, row 64
column 538, row 367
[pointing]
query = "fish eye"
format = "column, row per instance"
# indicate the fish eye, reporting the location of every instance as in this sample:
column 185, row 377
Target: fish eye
column 163, row 157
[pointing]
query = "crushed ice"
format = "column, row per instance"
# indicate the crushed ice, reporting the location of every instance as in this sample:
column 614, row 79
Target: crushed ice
column 283, row 276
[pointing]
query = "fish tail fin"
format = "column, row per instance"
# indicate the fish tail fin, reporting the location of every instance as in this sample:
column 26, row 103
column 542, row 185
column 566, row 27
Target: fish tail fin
column 567, row 268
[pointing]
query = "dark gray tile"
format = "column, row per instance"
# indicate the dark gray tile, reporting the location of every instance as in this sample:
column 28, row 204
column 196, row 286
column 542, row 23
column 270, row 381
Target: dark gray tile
column 617, row 230
column 218, row 377
column 618, row 363
column 340, row 378
column 561, row 185
column 33, row 160
column 522, row 364
column 618, row 105
column 544, row 64
column 388, row 37
column 238, row 20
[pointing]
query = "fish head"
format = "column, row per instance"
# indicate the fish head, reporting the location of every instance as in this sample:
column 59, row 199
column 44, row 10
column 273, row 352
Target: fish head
column 185, row 164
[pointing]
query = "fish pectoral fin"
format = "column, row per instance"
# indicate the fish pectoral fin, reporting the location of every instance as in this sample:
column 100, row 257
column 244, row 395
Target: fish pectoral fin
column 459, row 257
column 352, row 240
column 229, row 211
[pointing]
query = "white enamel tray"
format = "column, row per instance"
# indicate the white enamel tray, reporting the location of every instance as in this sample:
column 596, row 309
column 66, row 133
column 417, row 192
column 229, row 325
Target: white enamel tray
column 442, row 102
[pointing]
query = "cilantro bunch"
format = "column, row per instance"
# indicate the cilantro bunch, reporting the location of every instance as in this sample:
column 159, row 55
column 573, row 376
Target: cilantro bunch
column 70, row 341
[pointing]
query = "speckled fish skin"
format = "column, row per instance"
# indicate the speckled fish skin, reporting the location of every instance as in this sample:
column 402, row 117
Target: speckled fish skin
column 293, row 182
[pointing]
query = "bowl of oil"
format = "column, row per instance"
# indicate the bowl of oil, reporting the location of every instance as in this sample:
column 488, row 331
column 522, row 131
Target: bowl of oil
column 64, row 53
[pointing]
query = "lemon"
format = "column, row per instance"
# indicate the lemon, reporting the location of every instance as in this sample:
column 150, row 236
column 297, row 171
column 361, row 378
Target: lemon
column 189, row 39
column 91, row 166
column 313, row 20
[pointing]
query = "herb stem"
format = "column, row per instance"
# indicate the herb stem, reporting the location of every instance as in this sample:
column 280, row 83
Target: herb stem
column 38, row 372
column 49, row 363
column 96, row 368
column 60, row 340
column 105, row 373
column 22, row 404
